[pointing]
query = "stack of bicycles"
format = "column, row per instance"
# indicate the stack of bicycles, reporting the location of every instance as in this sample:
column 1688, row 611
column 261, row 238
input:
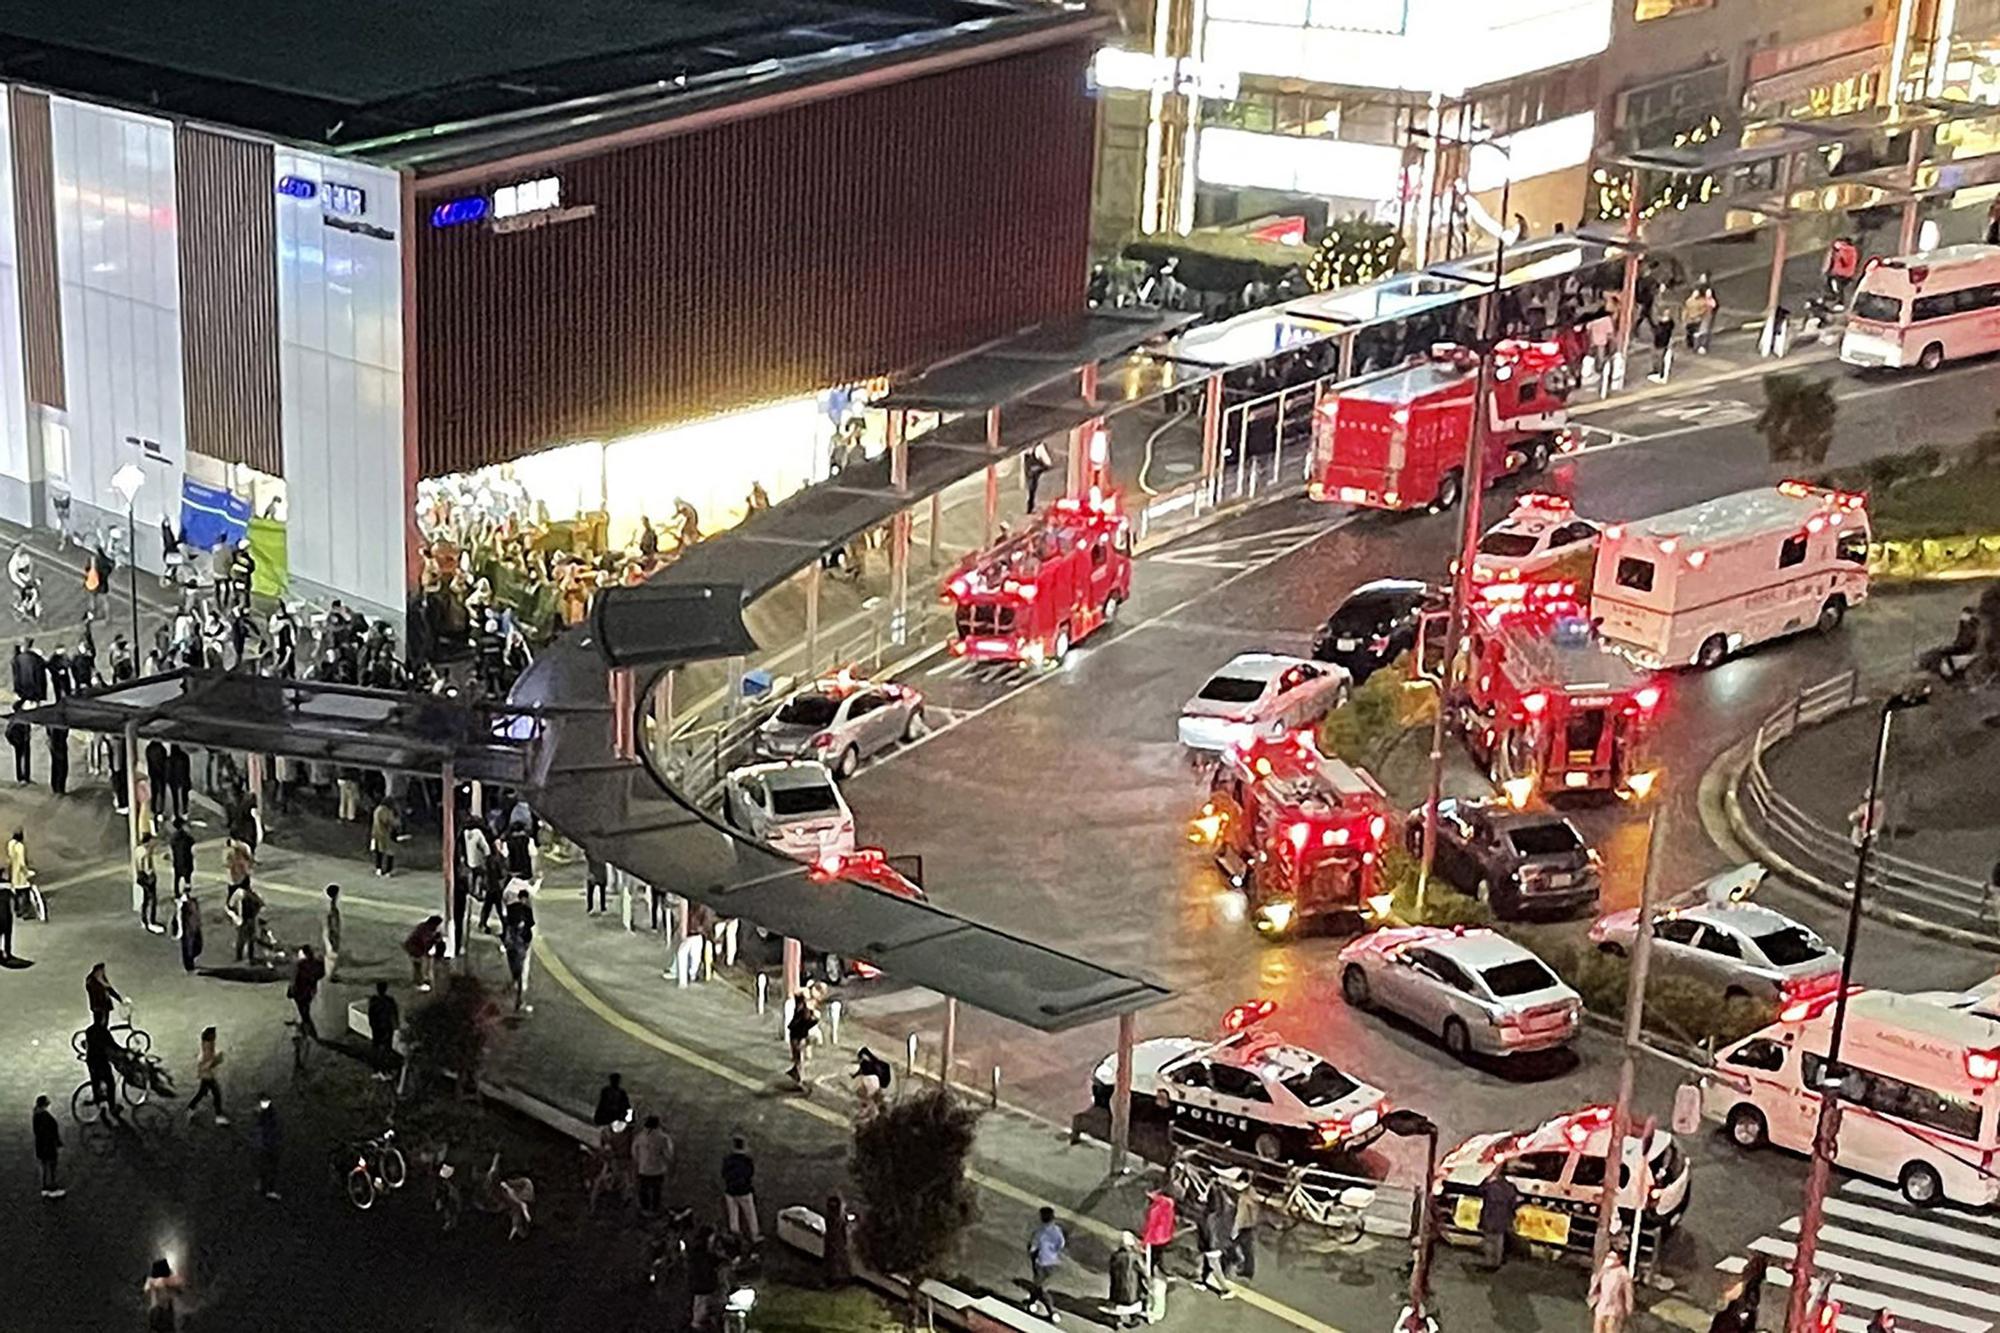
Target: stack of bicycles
column 140, row 1083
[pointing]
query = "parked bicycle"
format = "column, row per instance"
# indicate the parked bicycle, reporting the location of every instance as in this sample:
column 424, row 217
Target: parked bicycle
column 370, row 1169
column 1339, row 1210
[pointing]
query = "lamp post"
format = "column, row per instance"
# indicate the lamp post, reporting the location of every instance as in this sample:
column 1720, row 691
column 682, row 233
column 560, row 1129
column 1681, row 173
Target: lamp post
column 1474, row 483
column 126, row 481
column 1409, row 1124
column 1826, row 1134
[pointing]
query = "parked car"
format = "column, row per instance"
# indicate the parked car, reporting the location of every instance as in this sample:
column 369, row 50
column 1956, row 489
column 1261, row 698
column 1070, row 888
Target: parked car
column 1517, row 862
column 793, row 805
column 1374, row 625
column 1257, row 694
column 1477, row 990
column 1741, row 948
column 841, row 721
column 1283, row 1103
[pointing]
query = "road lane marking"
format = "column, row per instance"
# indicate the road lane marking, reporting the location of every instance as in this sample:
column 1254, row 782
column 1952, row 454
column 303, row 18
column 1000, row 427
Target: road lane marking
column 646, row 1036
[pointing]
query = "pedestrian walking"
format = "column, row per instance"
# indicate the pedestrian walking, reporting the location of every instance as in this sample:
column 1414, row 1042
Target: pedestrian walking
column 1242, row 1253
column 270, row 1141
column 614, row 1104
column 1212, row 1229
column 1046, row 1244
column 423, row 945
column 58, row 738
column 1127, row 1303
column 383, row 828
column 237, row 863
column 1034, row 466
column 1663, row 349
column 161, row 1293
column 383, row 1019
column 180, row 853
column 799, row 1026
column 187, row 915
column 1158, row 1231
column 652, row 1158
column 249, row 915
column 739, row 1191
column 157, row 772
column 693, row 945
column 307, row 973
column 1611, row 1294
column 329, row 932
column 146, row 875
column 1742, row 1299
column 48, row 1148
column 1698, row 313
column 517, row 940
column 180, row 779
column 207, row 1063
column 21, row 879
column 1499, row 1200
column 1843, row 262
column 20, row 736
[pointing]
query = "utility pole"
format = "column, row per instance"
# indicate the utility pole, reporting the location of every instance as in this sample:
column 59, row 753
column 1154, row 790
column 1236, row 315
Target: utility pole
column 1826, row 1133
column 1635, row 1012
column 1474, row 477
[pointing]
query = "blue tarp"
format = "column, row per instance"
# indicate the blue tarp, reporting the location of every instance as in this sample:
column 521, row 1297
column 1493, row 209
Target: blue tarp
column 210, row 514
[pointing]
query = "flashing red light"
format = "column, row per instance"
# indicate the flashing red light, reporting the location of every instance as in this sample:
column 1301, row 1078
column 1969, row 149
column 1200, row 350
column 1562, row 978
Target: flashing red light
column 1250, row 1012
column 1670, row 545
column 829, row 864
column 1028, row 591
column 1377, row 827
column 1815, row 523
column 1298, row 833
column 1982, row 1066
column 959, row 587
column 958, row 647
column 1648, row 696
column 1813, row 1005
column 1531, row 704
column 1828, row 1315
column 823, row 741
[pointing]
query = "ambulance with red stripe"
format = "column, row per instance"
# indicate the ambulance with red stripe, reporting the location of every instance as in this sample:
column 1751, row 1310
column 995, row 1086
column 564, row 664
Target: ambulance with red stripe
column 1921, row 1101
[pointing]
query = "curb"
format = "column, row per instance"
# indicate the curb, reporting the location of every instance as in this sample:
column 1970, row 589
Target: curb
column 1638, row 396
column 1833, row 894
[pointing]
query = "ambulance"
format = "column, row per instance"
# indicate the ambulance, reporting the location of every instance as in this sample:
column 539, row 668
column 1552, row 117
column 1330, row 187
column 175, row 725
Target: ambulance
column 1921, row 1102
column 1692, row 586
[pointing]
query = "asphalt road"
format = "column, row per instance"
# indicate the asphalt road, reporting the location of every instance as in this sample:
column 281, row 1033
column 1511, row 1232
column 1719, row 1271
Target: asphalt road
column 1055, row 804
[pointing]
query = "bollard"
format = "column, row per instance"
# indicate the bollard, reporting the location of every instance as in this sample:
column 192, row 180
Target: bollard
column 993, row 1095
column 763, row 991
column 833, row 1021
column 910, row 1058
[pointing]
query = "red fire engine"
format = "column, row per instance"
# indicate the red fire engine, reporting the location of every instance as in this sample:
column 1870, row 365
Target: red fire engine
column 1297, row 831
column 1044, row 588
column 1396, row 439
column 1541, row 701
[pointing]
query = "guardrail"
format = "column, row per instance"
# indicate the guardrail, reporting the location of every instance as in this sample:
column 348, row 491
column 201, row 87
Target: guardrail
column 1897, row 883
column 1280, row 1185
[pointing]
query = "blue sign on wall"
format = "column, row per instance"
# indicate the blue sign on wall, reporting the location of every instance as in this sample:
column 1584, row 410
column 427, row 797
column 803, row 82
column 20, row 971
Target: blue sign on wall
column 211, row 514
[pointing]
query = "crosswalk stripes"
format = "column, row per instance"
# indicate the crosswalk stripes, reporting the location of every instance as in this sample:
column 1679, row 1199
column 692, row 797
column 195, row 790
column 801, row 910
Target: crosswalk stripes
column 1935, row 1268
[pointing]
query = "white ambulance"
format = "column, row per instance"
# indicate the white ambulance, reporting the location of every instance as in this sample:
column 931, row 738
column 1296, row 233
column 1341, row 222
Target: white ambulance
column 1922, row 1092
column 1693, row 586
column 1922, row 310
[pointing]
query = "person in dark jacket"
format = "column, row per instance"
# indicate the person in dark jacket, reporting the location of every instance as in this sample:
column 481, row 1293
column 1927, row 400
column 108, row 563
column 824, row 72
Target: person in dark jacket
column 1128, row 1282
column 180, row 847
column 383, row 1019
column 21, row 736
column 6, row 922
column 1212, row 1230
column 156, row 770
column 837, row 1254
column 48, row 1147
column 613, row 1102
column 59, row 760
column 83, row 664
column 59, row 682
column 180, row 779
column 187, row 913
column 269, row 1140
column 1498, row 1202
column 31, row 674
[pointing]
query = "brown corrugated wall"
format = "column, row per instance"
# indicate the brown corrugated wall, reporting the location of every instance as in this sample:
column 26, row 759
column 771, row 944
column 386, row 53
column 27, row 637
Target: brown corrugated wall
column 225, row 194
column 35, row 228
column 761, row 258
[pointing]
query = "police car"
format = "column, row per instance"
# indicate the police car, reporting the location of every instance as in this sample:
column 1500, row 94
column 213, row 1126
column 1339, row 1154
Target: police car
column 1250, row 1089
column 1541, row 534
column 1557, row 1168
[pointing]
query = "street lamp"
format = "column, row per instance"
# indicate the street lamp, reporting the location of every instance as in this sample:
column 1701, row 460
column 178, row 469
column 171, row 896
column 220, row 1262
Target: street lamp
column 1409, row 1124
column 1475, row 482
column 1826, row 1135
column 126, row 481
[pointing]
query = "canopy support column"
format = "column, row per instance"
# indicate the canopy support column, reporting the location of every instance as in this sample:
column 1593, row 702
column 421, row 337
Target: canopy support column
column 899, row 531
column 134, row 768
column 948, row 1050
column 1772, row 342
column 1121, row 1097
column 992, row 517
column 448, row 821
column 813, row 572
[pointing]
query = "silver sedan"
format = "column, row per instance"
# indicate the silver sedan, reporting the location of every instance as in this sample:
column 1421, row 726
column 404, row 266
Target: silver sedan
column 1739, row 948
column 840, row 722
column 1480, row 992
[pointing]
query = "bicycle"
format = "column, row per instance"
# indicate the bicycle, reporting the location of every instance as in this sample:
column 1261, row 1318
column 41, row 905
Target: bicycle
column 370, row 1168
column 1339, row 1210
column 137, row 1041
column 1189, row 1183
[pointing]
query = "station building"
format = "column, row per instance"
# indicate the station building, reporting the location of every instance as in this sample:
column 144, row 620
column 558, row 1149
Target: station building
column 291, row 260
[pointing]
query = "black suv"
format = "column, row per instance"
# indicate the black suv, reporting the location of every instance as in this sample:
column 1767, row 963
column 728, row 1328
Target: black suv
column 1376, row 624
column 1519, row 863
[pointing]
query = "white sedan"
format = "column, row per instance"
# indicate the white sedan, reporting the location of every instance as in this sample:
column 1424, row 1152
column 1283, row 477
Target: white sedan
column 794, row 806
column 1542, row 533
column 1260, row 693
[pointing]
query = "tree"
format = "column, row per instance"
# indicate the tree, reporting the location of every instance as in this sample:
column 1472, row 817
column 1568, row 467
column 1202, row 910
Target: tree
column 909, row 1170
column 1797, row 420
column 1354, row 250
column 453, row 1028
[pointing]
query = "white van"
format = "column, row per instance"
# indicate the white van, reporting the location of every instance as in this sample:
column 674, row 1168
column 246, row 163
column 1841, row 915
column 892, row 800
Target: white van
column 1693, row 586
column 1923, row 1093
column 1922, row 310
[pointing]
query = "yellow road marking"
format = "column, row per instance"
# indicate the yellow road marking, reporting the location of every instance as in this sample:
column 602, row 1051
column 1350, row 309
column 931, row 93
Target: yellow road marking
column 639, row 1032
